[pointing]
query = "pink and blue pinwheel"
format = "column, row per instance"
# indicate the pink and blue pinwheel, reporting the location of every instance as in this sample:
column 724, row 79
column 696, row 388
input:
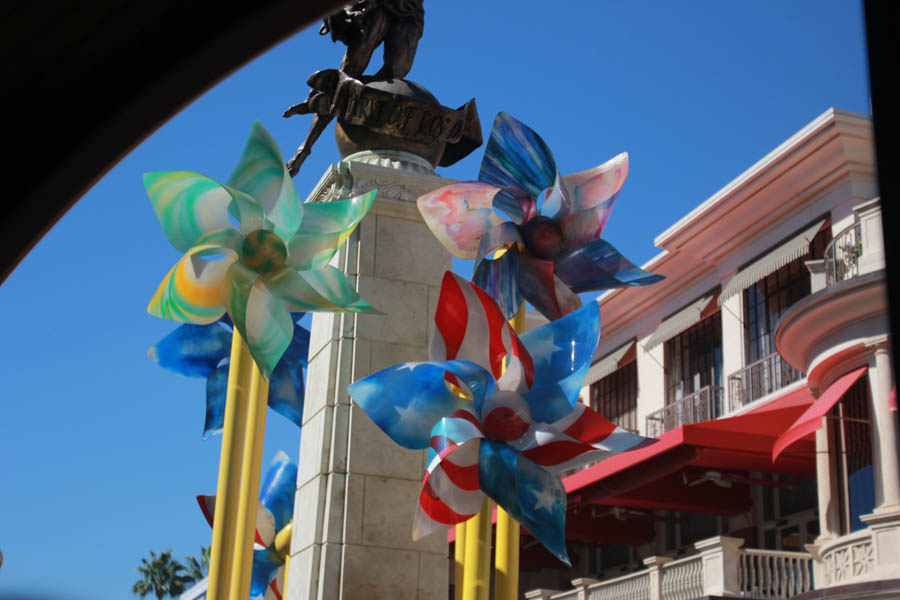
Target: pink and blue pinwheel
column 204, row 351
column 554, row 250
column 274, row 511
column 498, row 412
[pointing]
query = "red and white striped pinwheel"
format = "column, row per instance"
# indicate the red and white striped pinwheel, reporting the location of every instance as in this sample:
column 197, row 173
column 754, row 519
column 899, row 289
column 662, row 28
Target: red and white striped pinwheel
column 497, row 411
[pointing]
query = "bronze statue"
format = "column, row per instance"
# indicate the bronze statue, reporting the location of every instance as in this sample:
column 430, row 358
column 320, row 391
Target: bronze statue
column 363, row 26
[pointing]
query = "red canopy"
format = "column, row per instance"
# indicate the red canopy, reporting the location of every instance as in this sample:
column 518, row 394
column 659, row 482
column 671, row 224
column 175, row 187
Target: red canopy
column 654, row 477
column 811, row 420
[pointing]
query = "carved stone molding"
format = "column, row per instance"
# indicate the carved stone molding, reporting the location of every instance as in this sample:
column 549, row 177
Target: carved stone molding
column 398, row 176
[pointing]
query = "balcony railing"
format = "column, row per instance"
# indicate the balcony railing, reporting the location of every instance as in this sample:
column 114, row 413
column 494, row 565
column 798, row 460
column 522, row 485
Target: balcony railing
column 711, row 572
column 842, row 255
column 767, row 375
column 702, row 405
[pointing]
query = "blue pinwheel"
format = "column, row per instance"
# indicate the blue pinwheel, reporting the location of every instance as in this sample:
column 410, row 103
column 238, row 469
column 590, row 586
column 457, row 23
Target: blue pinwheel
column 552, row 238
column 204, row 351
column 497, row 411
column 274, row 512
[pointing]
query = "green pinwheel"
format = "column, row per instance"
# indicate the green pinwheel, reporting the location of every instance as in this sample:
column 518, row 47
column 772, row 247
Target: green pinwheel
column 251, row 249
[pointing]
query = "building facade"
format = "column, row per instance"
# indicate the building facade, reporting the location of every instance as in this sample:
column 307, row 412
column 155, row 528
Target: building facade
column 762, row 365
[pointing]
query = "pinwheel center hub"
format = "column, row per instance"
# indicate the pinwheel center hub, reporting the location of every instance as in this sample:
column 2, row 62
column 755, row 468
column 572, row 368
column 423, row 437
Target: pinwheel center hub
column 543, row 237
column 505, row 416
column 263, row 251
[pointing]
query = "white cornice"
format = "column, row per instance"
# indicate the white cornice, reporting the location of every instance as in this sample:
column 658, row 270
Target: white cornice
column 793, row 144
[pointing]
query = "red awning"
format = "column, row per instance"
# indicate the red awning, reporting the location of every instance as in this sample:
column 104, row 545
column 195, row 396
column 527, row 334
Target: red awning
column 892, row 399
column 651, row 477
column 811, row 420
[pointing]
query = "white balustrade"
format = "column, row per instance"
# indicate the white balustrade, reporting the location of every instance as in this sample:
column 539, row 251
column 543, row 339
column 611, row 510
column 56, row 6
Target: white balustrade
column 774, row 574
column 683, row 578
column 634, row 586
column 720, row 567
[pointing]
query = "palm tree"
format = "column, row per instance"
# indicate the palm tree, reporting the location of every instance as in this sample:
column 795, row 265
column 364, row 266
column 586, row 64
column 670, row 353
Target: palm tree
column 161, row 576
column 196, row 569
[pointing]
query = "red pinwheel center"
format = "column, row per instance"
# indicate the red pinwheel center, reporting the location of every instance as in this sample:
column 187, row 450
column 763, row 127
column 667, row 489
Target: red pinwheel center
column 505, row 416
column 263, row 251
column 543, row 237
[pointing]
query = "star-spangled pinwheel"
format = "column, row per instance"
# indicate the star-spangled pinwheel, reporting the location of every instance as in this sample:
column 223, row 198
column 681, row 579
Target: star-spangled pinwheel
column 272, row 263
column 554, row 250
column 497, row 411
column 274, row 511
column 203, row 351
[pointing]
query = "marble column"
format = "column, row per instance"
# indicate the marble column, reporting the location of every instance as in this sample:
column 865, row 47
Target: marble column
column 884, row 433
column 357, row 490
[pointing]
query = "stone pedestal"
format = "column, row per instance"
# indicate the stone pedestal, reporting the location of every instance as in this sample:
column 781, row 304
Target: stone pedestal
column 356, row 489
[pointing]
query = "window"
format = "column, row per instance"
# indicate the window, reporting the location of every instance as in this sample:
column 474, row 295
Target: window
column 767, row 299
column 615, row 396
column 694, row 359
column 853, row 444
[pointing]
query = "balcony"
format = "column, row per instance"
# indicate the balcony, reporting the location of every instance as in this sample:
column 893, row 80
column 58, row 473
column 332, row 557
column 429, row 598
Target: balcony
column 721, row 568
column 702, row 405
column 842, row 255
column 768, row 374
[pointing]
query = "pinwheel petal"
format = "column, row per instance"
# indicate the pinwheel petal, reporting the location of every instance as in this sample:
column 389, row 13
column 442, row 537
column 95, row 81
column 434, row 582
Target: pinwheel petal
column 261, row 174
column 325, row 289
column 546, row 292
column 459, row 214
column 500, row 279
column 275, row 591
column 250, row 215
column 553, row 201
column 580, row 437
column 187, row 205
column 470, row 326
column 502, row 236
column 192, row 350
column 265, row 564
column 534, row 496
column 599, row 266
column 339, row 216
column 326, row 226
column 586, row 226
column 277, row 491
column 286, row 392
column 596, row 186
column 450, row 493
column 192, row 290
column 259, row 316
column 517, row 157
column 216, row 390
column 562, row 351
column 297, row 354
column 406, row 401
column 516, row 204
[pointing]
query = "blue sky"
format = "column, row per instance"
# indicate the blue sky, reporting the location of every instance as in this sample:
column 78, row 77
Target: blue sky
column 101, row 449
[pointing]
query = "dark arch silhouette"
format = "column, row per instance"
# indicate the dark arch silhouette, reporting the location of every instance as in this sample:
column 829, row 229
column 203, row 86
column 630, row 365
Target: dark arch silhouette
column 89, row 81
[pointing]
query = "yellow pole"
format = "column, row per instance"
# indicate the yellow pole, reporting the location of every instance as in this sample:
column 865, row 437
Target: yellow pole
column 506, row 560
column 459, row 554
column 225, row 515
column 283, row 548
column 477, row 573
column 251, row 465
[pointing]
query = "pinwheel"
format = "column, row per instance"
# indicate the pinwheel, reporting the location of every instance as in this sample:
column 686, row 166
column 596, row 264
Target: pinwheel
column 272, row 263
column 554, row 250
column 498, row 413
column 202, row 351
column 274, row 511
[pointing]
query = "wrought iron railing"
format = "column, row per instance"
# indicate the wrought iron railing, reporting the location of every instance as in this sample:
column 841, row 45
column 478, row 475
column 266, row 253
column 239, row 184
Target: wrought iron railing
column 842, row 255
column 702, row 405
column 767, row 375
